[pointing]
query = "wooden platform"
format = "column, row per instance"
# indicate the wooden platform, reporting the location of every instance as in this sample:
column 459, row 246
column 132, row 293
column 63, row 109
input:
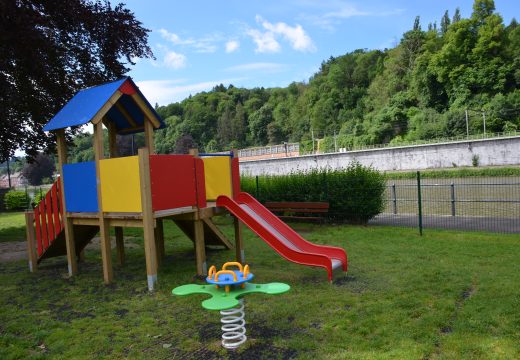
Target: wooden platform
column 136, row 219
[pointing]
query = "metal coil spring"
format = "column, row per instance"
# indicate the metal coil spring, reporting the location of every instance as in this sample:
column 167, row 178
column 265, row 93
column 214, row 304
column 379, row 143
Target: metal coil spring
column 234, row 326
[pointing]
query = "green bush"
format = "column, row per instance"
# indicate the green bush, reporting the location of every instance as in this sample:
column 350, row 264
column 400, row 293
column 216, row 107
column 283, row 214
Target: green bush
column 39, row 196
column 355, row 194
column 16, row 200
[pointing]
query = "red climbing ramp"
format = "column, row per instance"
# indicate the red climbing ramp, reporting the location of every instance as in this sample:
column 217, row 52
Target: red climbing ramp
column 50, row 233
column 282, row 238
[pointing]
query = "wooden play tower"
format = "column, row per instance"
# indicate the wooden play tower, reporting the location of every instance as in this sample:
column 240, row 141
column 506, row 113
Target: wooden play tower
column 134, row 191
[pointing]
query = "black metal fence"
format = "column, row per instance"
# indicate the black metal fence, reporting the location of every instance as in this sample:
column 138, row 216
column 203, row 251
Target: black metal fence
column 471, row 203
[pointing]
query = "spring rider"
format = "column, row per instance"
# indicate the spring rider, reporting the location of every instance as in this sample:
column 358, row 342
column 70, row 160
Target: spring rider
column 227, row 288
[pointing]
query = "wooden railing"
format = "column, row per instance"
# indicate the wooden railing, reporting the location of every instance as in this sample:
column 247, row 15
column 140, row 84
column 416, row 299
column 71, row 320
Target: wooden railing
column 48, row 218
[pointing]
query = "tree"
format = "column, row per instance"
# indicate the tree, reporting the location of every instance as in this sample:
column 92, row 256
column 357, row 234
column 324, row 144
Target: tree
column 417, row 23
column 482, row 9
column 258, row 124
column 445, row 22
column 184, row 144
column 41, row 167
column 50, row 50
column 456, row 16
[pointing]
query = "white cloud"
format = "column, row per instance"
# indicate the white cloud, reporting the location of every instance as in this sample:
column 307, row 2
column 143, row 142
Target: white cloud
column 296, row 35
column 345, row 11
column 174, row 38
column 265, row 41
column 337, row 11
column 232, row 46
column 165, row 92
column 264, row 67
column 205, row 44
column 174, row 60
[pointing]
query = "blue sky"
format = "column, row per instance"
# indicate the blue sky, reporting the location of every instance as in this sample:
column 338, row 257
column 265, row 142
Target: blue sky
column 199, row 44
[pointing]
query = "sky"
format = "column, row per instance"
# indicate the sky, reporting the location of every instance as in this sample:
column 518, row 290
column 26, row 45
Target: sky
column 265, row 43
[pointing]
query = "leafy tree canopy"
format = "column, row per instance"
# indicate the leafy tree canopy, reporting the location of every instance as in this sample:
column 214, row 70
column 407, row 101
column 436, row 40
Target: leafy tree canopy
column 51, row 49
column 40, row 168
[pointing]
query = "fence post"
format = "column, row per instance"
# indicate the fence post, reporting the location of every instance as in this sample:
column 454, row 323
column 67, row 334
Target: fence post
column 452, row 187
column 257, row 187
column 419, row 202
column 394, row 198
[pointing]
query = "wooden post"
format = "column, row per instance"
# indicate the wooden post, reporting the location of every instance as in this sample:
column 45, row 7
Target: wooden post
column 67, row 223
column 148, row 220
column 104, row 229
column 31, row 244
column 148, row 136
column 114, row 153
column 159, row 240
column 200, row 247
column 112, row 140
column 120, row 245
column 237, row 225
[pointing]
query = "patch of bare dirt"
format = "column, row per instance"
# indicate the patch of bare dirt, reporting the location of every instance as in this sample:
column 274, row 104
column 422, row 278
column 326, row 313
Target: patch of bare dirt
column 17, row 250
column 13, row 251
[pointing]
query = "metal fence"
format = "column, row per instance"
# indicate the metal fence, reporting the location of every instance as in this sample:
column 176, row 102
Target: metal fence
column 476, row 203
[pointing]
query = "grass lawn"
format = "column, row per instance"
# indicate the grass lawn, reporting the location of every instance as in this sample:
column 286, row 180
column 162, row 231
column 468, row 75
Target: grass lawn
column 447, row 295
column 12, row 226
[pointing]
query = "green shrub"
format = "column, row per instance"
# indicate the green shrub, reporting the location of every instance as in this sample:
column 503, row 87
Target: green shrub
column 39, row 196
column 16, row 200
column 355, row 194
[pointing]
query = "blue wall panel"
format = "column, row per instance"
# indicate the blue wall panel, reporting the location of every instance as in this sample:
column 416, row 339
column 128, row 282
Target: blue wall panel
column 80, row 187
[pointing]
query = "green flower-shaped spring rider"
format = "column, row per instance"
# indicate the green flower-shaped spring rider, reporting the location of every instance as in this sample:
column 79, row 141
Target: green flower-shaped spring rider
column 227, row 288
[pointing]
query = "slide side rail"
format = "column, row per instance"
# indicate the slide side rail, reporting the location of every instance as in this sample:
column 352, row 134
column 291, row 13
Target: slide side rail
column 284, row 229
column 303, row 258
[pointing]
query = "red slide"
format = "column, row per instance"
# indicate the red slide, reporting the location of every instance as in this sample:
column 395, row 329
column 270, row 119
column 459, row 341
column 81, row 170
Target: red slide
column 284, row 240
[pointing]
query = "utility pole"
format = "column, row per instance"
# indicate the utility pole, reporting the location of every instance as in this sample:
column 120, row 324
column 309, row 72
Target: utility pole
column 467, row 124
column 312, row 135
column 8, row 173
column 484, row 119
column 335, row 142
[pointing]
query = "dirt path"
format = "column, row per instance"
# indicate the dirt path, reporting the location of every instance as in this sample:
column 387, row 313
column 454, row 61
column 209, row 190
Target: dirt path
column 17, row 250
column 13, row 251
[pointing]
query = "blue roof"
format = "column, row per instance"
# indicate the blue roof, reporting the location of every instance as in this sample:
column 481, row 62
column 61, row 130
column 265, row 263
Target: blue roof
column 82, row 108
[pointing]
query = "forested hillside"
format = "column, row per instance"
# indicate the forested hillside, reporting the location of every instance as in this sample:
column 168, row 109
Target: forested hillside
column 419, row 89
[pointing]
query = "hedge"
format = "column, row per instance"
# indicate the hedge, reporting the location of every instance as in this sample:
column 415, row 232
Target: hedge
column 16, row 200
column 355, row 194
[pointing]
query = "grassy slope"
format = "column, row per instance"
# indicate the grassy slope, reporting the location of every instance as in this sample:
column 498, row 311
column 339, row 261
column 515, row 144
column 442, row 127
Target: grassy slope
column 12, row 226
column 455, row 173
column 445, row 295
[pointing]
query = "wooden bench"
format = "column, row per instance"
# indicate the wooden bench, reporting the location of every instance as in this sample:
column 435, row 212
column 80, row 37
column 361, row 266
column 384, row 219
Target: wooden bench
column 298, row 210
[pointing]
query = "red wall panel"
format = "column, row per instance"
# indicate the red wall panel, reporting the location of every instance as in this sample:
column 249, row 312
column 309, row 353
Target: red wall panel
column 201, row 185
column 235, row 177
column 172, row 181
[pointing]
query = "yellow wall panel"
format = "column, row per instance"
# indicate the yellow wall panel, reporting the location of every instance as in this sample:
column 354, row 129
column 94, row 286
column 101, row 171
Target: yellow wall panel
column 217, row 173
column 120, row 186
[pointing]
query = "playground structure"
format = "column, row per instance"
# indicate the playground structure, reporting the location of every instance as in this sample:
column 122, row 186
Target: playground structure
column 145, row 190
column 227, row 289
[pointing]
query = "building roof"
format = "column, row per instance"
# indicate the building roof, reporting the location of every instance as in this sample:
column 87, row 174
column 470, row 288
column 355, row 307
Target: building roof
column 120, row 102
